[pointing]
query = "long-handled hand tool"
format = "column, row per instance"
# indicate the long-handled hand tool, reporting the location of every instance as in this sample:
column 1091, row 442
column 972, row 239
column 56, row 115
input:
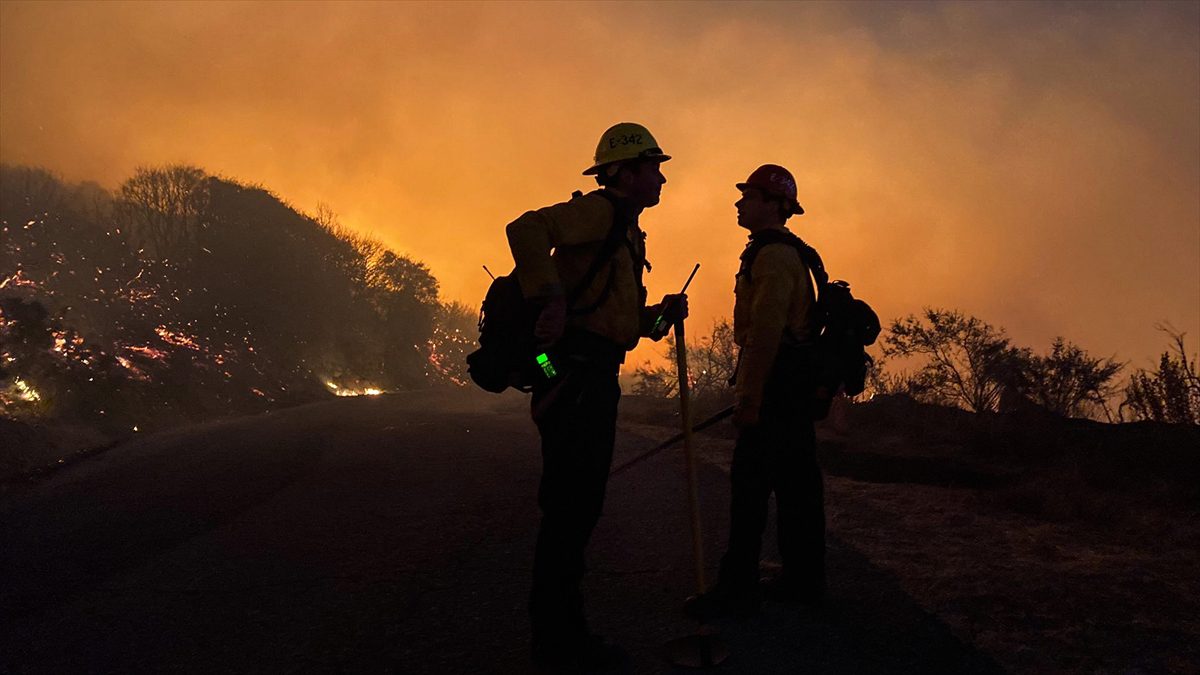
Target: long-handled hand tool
column 716, row 417
column 704, row 648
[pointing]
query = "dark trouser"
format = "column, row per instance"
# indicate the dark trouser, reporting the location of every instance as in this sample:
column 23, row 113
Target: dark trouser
column 779, row 455
column 577, row 421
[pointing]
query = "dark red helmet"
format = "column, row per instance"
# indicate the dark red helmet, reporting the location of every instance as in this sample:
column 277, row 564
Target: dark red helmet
column 776, row 181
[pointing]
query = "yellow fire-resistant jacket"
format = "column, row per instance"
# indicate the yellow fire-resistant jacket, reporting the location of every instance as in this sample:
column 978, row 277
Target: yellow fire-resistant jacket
column 776, row 304
column 575, row 231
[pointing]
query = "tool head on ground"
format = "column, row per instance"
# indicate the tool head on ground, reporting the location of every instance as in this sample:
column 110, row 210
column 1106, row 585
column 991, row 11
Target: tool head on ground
column 704, row 649
column 775, row 181
column 623, row 142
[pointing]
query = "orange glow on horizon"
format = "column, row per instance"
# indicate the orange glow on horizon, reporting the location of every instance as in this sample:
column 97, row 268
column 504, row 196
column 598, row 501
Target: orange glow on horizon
column 989, row 158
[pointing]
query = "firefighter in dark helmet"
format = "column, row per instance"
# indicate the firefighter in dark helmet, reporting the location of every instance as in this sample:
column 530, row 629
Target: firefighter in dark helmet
column 585, row 328
column 775, row 326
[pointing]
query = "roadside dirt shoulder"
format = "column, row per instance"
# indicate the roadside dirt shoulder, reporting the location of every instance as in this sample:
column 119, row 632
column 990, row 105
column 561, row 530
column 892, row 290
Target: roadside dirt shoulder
column 1038, row 591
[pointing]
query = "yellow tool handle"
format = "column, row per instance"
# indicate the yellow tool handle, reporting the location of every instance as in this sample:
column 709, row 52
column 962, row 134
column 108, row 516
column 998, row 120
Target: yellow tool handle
column 693, row 483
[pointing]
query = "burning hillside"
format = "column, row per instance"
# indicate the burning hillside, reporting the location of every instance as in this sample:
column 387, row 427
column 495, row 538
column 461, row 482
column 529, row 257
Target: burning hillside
column 185, row 296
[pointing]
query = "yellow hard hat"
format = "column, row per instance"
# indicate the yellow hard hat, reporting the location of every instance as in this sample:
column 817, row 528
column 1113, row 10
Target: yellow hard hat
column 623, row 141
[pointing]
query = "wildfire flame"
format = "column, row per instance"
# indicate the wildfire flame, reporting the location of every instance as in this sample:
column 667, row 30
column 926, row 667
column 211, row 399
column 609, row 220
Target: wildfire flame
column 342, row 391
column 18, row 280
column 26, row 392
column 440, row 361
column 177, row 339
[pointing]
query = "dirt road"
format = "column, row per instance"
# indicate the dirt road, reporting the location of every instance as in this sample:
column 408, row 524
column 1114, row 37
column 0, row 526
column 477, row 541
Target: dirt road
column 387, row 534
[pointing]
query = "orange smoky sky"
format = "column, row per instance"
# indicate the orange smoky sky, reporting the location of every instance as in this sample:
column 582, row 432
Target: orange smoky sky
column 1036, row 165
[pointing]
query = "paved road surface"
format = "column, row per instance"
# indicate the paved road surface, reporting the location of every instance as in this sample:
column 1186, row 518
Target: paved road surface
column 388, row 534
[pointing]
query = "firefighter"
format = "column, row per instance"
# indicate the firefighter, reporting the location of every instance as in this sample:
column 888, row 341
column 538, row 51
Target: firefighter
column 775, row 328
column 587, row 339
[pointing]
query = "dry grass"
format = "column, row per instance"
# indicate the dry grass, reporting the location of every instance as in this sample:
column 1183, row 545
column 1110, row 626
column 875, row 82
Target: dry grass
column 1038, row 596
column 1081, row 558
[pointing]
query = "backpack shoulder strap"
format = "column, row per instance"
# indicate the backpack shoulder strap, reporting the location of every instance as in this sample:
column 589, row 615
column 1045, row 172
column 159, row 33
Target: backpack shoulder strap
column 616, row 234
column 813, row 261
column 808, row 254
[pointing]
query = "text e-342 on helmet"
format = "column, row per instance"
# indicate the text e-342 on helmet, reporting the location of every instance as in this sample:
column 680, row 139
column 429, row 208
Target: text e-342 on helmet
column 625, row 141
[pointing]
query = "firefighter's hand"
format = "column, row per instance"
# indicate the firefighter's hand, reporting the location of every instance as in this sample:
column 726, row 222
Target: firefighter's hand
column 745, row 416
column 551, row 321
column 674, row 308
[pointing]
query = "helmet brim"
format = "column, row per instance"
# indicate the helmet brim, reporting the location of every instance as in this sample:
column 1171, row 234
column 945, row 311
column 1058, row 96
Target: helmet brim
column 595, row 169
column 797, row 210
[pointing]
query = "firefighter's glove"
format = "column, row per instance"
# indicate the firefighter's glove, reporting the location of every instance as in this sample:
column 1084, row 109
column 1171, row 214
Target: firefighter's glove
column 551, row 321
column 672, row 309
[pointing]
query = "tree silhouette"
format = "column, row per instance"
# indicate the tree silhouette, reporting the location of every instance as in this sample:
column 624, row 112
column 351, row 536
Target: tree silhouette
column 162, row 208
column 712, row 360
column 1171, row 392
column 1067, row 381
column 968, row 360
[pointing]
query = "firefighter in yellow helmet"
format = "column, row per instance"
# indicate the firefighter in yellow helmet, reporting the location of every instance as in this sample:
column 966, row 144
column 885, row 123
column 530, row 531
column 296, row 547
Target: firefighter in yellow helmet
column 623, row 142
column 593, row 310
column 775, row 326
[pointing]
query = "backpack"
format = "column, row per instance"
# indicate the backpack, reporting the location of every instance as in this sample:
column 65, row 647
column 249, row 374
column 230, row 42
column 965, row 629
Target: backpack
column 847, row 325
column 507, row 354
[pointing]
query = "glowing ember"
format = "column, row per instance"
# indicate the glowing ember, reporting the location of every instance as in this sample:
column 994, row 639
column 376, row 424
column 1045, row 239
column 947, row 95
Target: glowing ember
column 18, row 280
column 25, row 392
column 438, row 361
column 176, row 339
column 134, row 372
column 339, row 391
column 149, row 352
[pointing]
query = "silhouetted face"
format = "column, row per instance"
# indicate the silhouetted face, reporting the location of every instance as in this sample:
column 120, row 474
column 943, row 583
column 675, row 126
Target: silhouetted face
column 643, row 187
column 754, row 212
